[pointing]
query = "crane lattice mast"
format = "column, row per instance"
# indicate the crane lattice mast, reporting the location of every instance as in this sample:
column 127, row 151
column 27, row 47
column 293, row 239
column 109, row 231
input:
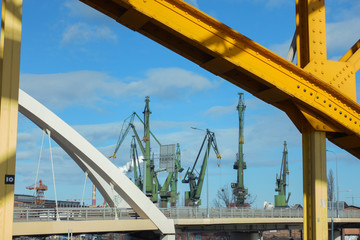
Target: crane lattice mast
column 281, row 181
column 239, row 189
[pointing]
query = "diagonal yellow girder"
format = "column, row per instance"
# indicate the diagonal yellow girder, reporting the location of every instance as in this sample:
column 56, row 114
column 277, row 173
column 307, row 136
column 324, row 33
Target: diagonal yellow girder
column 353, row 56
column 234, row 57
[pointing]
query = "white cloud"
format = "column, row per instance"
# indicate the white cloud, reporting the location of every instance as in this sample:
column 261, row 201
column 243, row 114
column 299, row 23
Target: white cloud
column 81, row 33
column 221, row 110
column 88, row 87
column 342, row 35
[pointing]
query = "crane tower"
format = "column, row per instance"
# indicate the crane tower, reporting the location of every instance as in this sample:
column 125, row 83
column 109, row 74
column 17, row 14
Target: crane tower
column 40, row 189
column 281, row 181
column 239, row 190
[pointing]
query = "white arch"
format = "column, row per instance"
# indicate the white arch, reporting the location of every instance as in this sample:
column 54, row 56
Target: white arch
column 101, row 170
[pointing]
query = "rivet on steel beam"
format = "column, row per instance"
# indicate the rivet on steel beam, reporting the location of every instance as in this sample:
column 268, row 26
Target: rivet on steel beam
column 342, row 82
column 317, row 97
column 345, row 116
column 322, row 72
column 324, row 101
column 350, row 119
column 304, row 90
column 340, row 112
column 311, row 94
column 298, row 86
column 329, row 105
column 322, row 63
column 335, row 109
column 355, row 122
column 320, row 42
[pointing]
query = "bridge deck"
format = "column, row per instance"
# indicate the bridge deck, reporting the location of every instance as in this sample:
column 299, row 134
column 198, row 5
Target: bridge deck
column 96, row 220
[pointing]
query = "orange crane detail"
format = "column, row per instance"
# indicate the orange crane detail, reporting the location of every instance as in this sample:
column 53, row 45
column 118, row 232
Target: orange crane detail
column 40, row 189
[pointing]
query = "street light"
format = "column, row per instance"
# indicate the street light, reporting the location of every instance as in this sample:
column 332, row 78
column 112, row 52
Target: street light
column 337, row 183
column 337, row 176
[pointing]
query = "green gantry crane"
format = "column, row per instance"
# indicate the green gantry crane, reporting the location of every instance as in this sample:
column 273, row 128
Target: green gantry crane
column 239, row 190
column 281, row 181
column 192, row 197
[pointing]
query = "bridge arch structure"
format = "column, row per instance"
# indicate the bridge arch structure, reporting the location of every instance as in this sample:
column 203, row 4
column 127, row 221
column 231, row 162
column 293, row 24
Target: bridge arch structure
column 102, row 172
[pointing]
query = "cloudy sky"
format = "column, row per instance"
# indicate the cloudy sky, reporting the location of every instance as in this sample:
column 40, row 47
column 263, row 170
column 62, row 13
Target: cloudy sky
column 94, row 72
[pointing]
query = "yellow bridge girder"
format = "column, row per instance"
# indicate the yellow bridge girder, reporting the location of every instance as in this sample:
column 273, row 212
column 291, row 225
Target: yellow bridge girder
column 323, row 90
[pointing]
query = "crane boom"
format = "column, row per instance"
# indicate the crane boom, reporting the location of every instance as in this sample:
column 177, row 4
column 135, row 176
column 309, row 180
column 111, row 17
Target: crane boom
column 239, row 189
column 192, row 197
column 281, row 181
column 123, row 133
column 135, row 159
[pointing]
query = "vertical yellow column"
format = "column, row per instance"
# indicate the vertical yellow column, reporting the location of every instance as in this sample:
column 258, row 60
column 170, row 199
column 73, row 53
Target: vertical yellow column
column 315, row 184
column 9, row 87
column 311, row 45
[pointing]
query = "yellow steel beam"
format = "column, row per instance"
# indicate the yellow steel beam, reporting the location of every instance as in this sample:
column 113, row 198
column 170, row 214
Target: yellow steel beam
column 311, row 42
column 225, row 52
column 9, row 86
column 353, row 56
column 314, row 184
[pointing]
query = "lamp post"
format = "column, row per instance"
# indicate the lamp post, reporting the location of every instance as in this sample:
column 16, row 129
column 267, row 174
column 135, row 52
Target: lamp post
column 337, row 182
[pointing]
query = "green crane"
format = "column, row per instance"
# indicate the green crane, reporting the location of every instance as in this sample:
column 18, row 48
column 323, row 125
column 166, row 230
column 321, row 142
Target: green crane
column 281, row 181
column 192, row 197
column 239, row 190
column 150, row 185
column 171, row 181
column 135, row 160
column 173, row 187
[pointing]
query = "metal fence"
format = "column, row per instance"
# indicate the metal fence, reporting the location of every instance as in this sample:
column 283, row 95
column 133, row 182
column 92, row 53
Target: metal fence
column 86, row 214
column 73, row 214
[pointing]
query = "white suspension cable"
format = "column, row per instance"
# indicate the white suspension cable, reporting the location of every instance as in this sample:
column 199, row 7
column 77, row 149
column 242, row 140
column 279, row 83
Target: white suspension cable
column 83, row 193
column 38, row 166
column 53, row 175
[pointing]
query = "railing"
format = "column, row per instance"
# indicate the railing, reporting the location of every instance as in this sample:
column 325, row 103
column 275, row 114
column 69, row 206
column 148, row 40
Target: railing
column 88, row 214
column 73, row 214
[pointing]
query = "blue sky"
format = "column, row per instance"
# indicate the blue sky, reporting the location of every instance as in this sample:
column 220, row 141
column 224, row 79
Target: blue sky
column 94, row 72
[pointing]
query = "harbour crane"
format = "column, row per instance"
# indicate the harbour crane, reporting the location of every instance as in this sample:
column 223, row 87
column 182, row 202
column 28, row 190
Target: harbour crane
column 40, row 189
column 147, row 181
column 192, row 197
column 136, row 165
column 281, row 181
column 239, row 191
column 171, row 181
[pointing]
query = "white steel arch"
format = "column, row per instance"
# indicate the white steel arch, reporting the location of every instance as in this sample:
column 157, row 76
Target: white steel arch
column 104, row 174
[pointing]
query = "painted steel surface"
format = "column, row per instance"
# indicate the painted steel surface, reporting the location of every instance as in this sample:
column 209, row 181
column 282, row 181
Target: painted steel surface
column 225, row 52
column 10, row 41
